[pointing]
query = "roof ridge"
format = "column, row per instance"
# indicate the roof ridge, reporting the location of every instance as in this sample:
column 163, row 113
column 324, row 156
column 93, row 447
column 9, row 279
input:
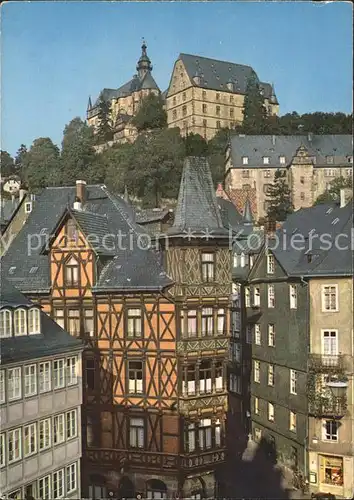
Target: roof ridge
column 218, row 60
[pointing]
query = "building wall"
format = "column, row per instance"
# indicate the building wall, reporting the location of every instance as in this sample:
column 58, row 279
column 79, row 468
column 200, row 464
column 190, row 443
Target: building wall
column 319, row 448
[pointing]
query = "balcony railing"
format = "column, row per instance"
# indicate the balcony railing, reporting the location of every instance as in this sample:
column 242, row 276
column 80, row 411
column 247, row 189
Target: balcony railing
column 328, row 406
column 190, row 402
column 195, row 344
column 327, row 362
column 202, row 459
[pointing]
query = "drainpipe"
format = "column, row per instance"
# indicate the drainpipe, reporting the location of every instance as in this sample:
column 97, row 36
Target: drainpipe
column 307, row 316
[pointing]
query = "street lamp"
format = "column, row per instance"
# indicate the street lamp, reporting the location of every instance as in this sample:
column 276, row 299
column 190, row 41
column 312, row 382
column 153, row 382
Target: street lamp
column 338, row 387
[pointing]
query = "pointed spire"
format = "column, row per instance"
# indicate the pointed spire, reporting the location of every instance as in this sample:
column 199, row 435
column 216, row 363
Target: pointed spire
column 247, row 213
column 89, row 104
column 144, row 63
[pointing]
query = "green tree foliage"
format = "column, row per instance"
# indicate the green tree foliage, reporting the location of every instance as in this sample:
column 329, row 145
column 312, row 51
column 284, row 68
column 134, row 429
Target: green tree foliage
column 19, row 159
column 41, row 164
column 151, row 167
column 105, row 126
column 254, row 111
column 279, row 198
column 7, row 164
column 79, row 160
column 333, row 192
column 151, row 114
column 195, row 145
column 216, row 154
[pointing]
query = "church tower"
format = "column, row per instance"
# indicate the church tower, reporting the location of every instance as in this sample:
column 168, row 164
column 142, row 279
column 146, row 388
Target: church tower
column 144, row 64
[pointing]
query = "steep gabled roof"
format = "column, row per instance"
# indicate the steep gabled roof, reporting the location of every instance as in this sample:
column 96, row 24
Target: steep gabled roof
column 215, row 74
column 197, row 209
column 148, row 82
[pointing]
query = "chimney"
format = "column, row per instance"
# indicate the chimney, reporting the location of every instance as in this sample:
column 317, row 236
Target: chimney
column 22, row 194
column 345, row 195
column 81, row 191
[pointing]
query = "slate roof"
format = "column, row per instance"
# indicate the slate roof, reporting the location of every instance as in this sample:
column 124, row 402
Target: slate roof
column 330, row 260
column 216, row 74
column 197, row 209
column 255, row 147
column 7, row 208
column 102, row 212
column 52, row 339
column 229, row 215
column 147, row 215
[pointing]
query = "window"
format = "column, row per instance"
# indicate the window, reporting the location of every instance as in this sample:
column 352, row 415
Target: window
column 208, row 265
column 231, row 98
column 302, row 196
column 44, row 434
column 58, row 373
column 184, row 96
column 204, row 94
column 184, row 110
column 245, row 173
column 58, row 484
column 71, row 478
column 45, row 380
column 247, row 296
column 14, row 384
column 329, row 159
column 245, row 162
column 236, row 351
column 218, row 124
column 257, row 434
column 134, row 323
column 34, row 325
column 217, row 96
column 329, row 342
column 136, row 433
column 293, row 382
column 30, row 380
column 217, row 429
column 71, row 374
column 192, row 323
column 302, row 180
column 30, row 439
column 90, row 373
column 74, row 322
column 256, row 296
column 190, row 438
column 271, row 296
column 205, row 377
column 71, row 272
column 135, row 377
column 333, row 470
column 5, row 324
column 265, row 160
column 282, row 160
column 232, row 113
column 219, row 380
column 2, row 450
column 2, row 386
column 329, row 298
column 270, row 263
column 58, row 429
column 204, row 433
column 88, row 322
column 205, row 123
column 58, row 316
column 243, row 260
column 44, row 488
column 217, row 110
column 235, row 383
column 330, row 430
column 257, row 334
column 257, row 371
column 174, row 114
column 251, row 259
column 350, row 159
column 292, row 423
column 189, row 386
column 267, row 174
column 207, row 321
column 71, row 424
column 28, row 207
column 270, row 374
column 271, row 335
column 256, row 406
column 221, row 321
column 270, row 412
column 236, row 323
column 14, row 445
column 249, row 334
column 293, row 296
column 20, row 322
column 348, row 172
column 329, row 172
column 205, row 108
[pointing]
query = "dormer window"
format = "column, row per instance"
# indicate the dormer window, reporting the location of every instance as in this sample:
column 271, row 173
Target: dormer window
column 329, row 159
column 5, row 323
column 28, row 207
column 34, row 322
column 265, row 160
column 243, row 260
column 20, row 322
column 72, row 272
column 244, row 160
column 282, row 160
column 350, row 159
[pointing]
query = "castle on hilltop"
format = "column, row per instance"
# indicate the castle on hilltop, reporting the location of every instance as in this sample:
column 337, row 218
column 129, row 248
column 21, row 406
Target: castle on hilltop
column 203, row 96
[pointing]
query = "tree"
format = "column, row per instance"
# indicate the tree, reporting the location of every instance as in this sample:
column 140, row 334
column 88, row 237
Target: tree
column 216, row 154
column 105, row 126
column 19, row 159
column 151, row 114
column 333, row 192
column 41, row 164
column 254, row 111
column 279, row 198
column 7, row 164
column 195, row 145
column 78, row 154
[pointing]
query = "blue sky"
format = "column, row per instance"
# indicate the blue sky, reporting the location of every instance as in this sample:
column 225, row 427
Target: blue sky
column 56, row 54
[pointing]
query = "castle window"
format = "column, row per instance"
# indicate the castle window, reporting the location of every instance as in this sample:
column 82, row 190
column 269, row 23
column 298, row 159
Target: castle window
column 218, row 124
column 34, row 325
column 217, row 110
column 184, row 110
column 174, row 114
column 204, row 94
column 329, row 172
column 266, row 173
column 208, row 266
column 244, row 161
column 184, row 96
column 71, row 272
column 265, row 160
column 270, row 412
column 2, row 386
column 302, row 196
column 282, row 160
column 205, row 123
column 58, row 429
column 89, row 322
column 20, row 322
column 205, row 108
column 350, row 159
column 174, row 101
column 5, row 323
column 302, row 180
column 217, row 97
column 232, row 113
column 246, row 173
column 270, row 374
column 292, row 424
column 134, row 323
column 247, row 296
column 136, row 433
column 231, row 98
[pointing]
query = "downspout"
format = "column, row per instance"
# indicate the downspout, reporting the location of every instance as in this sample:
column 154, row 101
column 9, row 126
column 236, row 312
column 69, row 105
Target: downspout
column 307, row 317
